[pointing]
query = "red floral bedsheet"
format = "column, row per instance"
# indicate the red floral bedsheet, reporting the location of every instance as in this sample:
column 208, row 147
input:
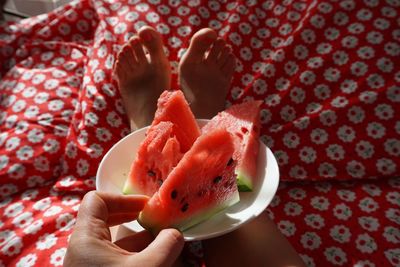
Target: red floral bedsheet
column 326, row 71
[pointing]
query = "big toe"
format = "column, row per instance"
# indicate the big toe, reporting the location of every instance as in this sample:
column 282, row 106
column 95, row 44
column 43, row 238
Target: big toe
column 200, row 43
column 152, row 40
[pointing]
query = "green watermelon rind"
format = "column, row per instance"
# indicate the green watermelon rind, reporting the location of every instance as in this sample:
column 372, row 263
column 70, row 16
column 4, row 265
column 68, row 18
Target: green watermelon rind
column 193, row 220
column 244, row 181
column 128, row 189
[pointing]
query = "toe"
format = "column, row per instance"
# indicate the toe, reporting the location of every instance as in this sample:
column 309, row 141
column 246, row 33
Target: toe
column 200, row 43
column 229, row 67
column 223, row 56
column 152, row 40
column 137, row 48
column 216, row 49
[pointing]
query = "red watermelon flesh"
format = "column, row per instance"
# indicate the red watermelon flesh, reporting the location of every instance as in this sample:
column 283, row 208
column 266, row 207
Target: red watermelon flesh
column 157, row 155
column 202, row 184
column 243, row 122
column 172, row 106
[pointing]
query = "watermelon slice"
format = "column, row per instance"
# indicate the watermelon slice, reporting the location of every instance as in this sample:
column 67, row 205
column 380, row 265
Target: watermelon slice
column 157, row 155
column 171, row 134
column 243, row 122
column 202, row 184
column 172, row 106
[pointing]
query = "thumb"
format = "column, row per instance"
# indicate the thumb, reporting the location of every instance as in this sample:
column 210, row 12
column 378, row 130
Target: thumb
column 165, row 249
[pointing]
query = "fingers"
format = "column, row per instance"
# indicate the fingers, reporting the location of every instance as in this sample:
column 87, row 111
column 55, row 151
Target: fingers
column 136, row 242
column 165, row 249
column 96, row 205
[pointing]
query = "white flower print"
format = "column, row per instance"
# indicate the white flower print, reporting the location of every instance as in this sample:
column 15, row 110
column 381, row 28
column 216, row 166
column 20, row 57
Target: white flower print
column 23, row 220
column 315, row 221
column 340, row 58
column 376, row 130
column 34, row 227
column 320, row 203
column 287, row 228
column 46, row 241
column 70, row 200
column 307, row 260
column 346, row 195
column 302, row 122
column 307, row 77
column 17, row 171
column 384, row 64
column 83, row 137
column 42, row 204
column 342, row 211
column 322, row 91
column 392, row 234
column 67, row 180
column 369, row 223
column 365, row 243
column 82, row 167
column 35, row 135
column 340, row 233
column 393, row 256
column 319, row 136
column 368, row 205
column 346, row 134
column 272, row 100
column 374, row 37
column 335, row 152
column 71, row 150
column 359, row 68
column 297, row 95
column 339, row 102
column 27, row 261
column 291, row 140
column 393, row 93
column 384, row 111
column 335, row 255
column 332, row 74
column 328, row 117
column 11, row 144
column 29, row 194
column 340, row 18
column 259, row 86
column 269, row 70
column 350, row 41
column 265, row 115
column 103, row 134
column 308, row 154
column 355, row 169
column 393, row 197
column 31, row 112
column 386, row 166
column 91, row 119
column 348, row 86
column 298, row 172
column 375, row 81
column 57, row 258
column 288, row 113
column 282, row 84
column 51, row 146
column 310, row 240
column 317, row 21
column 366, row 52
column 13, row 246
column 41, row 164
column 372, row 189
column 392, row 49
column 293, row 209
column 95, row 150
column 315, row 62
column 65, row 222
column 41, row 98
column 53, row 210
column 282, row 157
column 356, row 114
column 35, row 180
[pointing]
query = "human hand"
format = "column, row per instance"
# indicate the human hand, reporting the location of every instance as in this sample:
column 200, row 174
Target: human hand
column 90, row 243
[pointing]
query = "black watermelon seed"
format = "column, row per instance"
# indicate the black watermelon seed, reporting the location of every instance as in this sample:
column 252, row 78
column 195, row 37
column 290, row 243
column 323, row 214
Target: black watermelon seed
column 160, row 182
column 217, row 179
column 185, row 207
column 230, row 162
column 151, row 173
column 174, row 194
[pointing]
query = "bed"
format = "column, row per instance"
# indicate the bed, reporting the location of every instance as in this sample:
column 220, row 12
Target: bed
column 327, row 74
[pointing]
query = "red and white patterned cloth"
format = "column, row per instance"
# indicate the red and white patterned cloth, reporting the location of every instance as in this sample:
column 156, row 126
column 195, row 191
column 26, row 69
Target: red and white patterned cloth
column 326, row 71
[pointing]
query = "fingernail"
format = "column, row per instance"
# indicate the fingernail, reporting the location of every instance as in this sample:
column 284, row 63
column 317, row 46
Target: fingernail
column 147, row 36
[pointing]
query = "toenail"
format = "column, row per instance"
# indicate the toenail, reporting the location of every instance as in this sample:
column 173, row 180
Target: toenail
column 147, row 36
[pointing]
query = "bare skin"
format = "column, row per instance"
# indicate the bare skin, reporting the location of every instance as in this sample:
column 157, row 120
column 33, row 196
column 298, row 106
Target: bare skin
column 142, row 76
column 205, row 73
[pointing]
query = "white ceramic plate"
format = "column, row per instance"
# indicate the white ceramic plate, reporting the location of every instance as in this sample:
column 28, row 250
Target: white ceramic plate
column 115, row 165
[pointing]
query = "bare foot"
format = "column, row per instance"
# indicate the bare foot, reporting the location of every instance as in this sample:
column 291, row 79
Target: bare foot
column 142, row 76
column 205, row 73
